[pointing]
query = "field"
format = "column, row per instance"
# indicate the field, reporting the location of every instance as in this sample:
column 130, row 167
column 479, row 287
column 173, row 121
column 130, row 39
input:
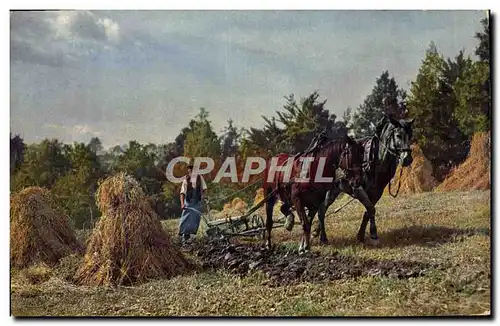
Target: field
column 448, row 231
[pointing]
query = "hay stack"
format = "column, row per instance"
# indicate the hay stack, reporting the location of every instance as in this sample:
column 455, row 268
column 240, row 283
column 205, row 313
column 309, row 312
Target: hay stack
column 416, row 178
column 474, row 172
column 40, row 232
column 240, row 206
column 259, row 195
column 128, row 244
column 235, row 208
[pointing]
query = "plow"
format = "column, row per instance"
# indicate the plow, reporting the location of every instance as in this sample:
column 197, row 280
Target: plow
column 250, row 224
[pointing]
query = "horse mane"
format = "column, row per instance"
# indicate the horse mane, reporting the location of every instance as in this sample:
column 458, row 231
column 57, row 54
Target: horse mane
column 335, row 144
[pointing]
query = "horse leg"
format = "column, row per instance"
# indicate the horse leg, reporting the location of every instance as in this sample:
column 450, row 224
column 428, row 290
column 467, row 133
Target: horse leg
column 321, row 220
column 362, row 228
column 269, row 216
column 373, row 227
column 289, row 218
column 304, row 239
column 319, row 228
column 321, row 217
column 373, row 231
column 369, row 214
column 307, row 227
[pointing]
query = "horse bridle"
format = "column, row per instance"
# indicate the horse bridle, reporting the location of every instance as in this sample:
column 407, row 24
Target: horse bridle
column 397, row 152
column 349, row 169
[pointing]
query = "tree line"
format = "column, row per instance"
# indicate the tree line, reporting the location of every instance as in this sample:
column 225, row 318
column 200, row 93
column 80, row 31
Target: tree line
column 450, row 100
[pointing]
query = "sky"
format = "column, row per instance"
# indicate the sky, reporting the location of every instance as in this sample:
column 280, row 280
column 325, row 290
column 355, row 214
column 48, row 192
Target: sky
column 142, row 75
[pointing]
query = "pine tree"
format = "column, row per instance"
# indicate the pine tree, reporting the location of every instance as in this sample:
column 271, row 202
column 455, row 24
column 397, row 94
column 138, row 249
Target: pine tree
column 386, row 97
column 432, row 103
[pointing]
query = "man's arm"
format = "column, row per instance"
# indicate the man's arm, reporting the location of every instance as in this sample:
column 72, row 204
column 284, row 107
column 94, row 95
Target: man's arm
column 183, row 193
column 203, row 186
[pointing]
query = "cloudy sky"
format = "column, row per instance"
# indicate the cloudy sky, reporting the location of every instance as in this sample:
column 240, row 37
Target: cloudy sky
column 123, row 75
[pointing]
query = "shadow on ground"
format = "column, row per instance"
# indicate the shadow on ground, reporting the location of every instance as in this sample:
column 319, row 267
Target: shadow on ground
column 428, row 236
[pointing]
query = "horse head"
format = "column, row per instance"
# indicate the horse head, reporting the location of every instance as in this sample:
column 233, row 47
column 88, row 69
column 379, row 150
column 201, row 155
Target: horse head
column 351, row 161
column 396, row 136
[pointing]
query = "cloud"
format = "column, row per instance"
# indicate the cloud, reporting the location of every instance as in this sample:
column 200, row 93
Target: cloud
column 84, row 129
column 84, row 25
column 144, row 74
column 78, row 133
column 56, row 38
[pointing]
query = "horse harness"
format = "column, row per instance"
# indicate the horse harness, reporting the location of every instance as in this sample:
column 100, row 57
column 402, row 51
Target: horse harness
column 370, row 159
column 345, row 152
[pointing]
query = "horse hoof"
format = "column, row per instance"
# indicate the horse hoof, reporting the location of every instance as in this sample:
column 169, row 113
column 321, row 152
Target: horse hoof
column 289, row 221
column 374, row 242
column 324, row 242
column 361, row 239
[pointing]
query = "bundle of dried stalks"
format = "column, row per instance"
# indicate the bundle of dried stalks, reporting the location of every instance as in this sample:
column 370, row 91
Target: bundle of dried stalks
column 474, row 172
column 128, row 244
column 236, row 207
column 417, row 177
column 40, row 232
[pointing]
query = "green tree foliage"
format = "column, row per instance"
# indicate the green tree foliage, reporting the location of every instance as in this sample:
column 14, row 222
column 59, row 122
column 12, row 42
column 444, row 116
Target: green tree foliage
column 140, row 161
column 95, row 145
column 201, row 140
column 75, row 190
column 109, row 159
column 269, row 138
column 432, row 103
column 450, row 100
column 472, row 111
column 483, row 70
column 197, row 139
column 483, row 48
column 17, row 148
column 43, row 165
column 386, row 97
column 303, row 120
column 296, row 125
column 229, row 140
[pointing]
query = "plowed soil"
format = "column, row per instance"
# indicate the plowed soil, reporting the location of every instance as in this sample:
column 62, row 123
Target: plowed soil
column 284, row 266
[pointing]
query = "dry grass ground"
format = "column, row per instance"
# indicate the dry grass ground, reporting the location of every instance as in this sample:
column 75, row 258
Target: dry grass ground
column 452, row 229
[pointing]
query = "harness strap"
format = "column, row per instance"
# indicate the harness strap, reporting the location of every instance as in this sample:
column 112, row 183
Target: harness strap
column 399, row 184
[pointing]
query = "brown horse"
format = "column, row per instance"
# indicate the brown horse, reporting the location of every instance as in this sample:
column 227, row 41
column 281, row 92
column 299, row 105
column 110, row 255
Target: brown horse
column 388, row 147
column 291, row 187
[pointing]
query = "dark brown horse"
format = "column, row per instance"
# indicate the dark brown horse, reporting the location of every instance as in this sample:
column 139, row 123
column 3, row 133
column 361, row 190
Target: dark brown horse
column 388, row 147
column 291, row 187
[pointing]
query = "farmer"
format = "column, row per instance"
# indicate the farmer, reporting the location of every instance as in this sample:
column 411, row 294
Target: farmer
column 192, row 189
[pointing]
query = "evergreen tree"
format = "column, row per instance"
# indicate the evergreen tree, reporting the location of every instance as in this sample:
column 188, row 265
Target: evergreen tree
column 230, row 140
column 432, row 103
column 386, row 97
